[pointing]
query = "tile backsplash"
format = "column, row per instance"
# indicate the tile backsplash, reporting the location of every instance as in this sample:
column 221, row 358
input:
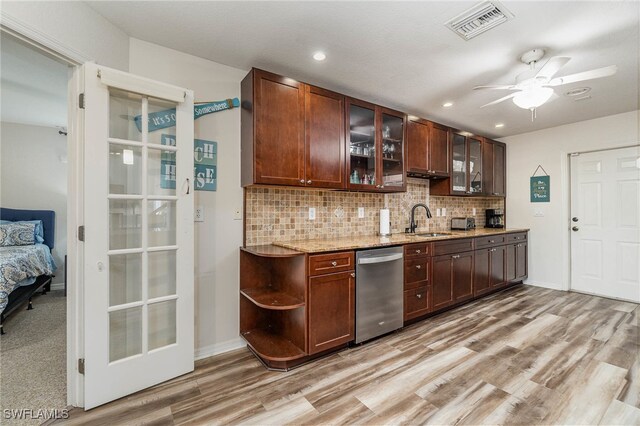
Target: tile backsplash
column 282, row 214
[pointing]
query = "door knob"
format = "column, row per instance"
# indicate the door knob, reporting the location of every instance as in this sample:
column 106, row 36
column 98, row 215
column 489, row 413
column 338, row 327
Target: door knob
column 575, row 228
column 575, row 219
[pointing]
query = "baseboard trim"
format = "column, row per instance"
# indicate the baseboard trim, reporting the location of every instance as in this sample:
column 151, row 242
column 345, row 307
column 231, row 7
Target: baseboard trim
column 551, row 286
column 219, row 348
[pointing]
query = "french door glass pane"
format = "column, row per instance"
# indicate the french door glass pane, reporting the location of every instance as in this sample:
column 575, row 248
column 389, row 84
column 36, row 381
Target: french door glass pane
column 362, row 145
column 125, row 278
column 162, row 273
column 392, row 149
column 125, row 169
column 161, row 216
column 124, row 107
column 162, row 120
column 125, row 224
column 161, row 172
column 162, row 324
column 125, row 333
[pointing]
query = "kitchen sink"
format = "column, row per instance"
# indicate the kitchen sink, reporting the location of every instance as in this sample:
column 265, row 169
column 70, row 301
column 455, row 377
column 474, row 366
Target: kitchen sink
column 433, row 234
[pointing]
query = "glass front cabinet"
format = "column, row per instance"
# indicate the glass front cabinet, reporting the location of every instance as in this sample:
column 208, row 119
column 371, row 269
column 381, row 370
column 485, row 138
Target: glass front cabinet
column 466, row 156
column 375, row 143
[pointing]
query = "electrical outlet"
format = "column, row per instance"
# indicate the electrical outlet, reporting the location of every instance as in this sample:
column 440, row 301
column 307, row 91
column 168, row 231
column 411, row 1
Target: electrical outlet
column 312, row 213
column 473, row 211
column 237, row 214
column 444, row 211
column 438, row 212
column 360, row 212
column 198, row 214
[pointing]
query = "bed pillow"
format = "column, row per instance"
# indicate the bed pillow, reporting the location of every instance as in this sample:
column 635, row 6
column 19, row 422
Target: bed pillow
column 39, row 230
column 17, row 234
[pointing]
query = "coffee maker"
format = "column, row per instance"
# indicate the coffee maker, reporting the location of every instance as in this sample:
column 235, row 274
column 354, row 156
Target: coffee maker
column 494, row 218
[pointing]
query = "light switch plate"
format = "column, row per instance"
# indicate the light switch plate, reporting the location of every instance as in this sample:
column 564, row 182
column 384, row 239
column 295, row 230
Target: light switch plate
column 444, row 211
column 538, row 213
column 473, row 211
column 237, row 214
column 438, row 212
column 312, row 213
column 360, row 212
column 198, row 214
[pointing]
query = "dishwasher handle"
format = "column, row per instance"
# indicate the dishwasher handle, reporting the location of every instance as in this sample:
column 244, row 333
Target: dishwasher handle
column 379, row 259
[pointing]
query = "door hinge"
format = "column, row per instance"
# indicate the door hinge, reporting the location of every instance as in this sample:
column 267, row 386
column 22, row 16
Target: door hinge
column 81, row 101
column 81, row 233
column 81, row 365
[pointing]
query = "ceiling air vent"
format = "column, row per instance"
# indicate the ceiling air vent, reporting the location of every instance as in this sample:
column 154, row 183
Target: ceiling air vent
column 480, row 18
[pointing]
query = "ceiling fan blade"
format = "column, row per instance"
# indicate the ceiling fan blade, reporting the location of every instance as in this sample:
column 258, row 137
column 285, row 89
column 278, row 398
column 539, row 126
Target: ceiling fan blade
column 586, row 75
column 552, row 66
column 497, row 101
column 502, row 87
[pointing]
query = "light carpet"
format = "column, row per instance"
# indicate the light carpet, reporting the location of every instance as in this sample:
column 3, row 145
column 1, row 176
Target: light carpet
column 33, row 357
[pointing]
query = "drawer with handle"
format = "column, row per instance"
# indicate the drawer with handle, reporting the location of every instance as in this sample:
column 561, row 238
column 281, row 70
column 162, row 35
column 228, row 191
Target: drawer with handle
column 416, row 302
column 416, row 272
column 453, row 246
column 493, row 240
column 415, row 250
column 332, row 262
column 520, row 236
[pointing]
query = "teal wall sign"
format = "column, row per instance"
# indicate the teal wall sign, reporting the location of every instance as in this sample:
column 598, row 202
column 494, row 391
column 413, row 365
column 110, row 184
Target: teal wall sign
column 167, row 118
column 205, row 160
column 540, row 189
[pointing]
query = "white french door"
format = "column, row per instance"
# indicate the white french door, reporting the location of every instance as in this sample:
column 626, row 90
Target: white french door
column 605, row 223
column 138, row 219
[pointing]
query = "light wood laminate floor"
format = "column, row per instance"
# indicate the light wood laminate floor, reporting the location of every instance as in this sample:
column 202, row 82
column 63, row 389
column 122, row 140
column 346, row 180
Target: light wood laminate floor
column 524, row 356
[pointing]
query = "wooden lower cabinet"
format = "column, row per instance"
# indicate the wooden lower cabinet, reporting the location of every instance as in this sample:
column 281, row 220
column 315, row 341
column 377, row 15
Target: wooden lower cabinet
column 452, row 279
column 331, row 311
column 489, row 269
column 516, row 256
column 498, row 263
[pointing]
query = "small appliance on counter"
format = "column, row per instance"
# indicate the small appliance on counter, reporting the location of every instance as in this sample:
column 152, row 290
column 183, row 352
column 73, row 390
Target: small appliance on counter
column 463, row 223
column 494, row 218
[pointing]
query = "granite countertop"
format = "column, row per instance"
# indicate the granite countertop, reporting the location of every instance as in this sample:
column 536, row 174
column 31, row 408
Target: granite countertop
column 371, row 241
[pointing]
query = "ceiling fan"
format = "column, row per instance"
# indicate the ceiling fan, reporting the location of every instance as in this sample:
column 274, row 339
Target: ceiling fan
column 534, row 87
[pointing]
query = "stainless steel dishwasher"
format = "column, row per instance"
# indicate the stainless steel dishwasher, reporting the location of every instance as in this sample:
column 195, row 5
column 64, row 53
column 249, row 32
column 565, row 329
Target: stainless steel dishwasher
column 379, row 292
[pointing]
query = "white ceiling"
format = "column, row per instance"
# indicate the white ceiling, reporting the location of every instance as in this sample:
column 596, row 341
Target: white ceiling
column 399, row 54
column 33, row 86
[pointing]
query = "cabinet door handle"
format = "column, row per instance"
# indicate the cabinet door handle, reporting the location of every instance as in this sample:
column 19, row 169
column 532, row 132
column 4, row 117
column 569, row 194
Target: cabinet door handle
column 419, row 296
column 418, row 266
column 353, row 274
column 301, row 180
column 334, row 263
column 492, row 250
column 381, row 186
column 455, row 256
column 418, row 251
column 491, row 241
column 309, row 182
column 519, row 245
column 496, row 193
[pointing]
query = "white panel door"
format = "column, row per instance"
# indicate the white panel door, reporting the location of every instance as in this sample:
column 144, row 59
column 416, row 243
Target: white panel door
column 605, row 223
column 138, row 249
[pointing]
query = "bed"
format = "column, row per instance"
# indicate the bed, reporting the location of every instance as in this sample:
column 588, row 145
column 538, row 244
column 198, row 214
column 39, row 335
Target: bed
column 25, row 269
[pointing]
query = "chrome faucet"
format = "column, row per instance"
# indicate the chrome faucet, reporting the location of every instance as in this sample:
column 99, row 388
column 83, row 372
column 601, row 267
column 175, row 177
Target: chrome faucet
column 413, row 225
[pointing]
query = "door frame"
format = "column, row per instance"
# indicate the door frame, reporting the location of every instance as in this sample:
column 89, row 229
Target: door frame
column 567, row 210
column 75, row 216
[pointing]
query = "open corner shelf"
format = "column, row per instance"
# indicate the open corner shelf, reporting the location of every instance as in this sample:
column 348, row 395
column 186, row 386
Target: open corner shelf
column 270, row 298
column 271, row 346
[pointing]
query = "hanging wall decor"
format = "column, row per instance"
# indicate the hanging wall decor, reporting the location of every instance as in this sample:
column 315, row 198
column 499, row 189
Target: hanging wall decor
column 540, row 186
column 167, row 118
column 205, row 164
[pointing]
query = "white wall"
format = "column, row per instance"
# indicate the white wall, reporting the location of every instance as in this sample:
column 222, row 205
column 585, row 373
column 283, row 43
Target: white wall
column 33, row 175
column 218, row 238
column 75, row 25
column 549, row 237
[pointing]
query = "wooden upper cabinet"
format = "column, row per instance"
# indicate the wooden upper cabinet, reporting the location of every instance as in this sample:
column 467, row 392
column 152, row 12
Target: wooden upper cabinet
column 278, row 109
column 324, row 138
column 494, row 164
column 439, row 157
column 427, row 149
column 292, row 133
column 417, row 147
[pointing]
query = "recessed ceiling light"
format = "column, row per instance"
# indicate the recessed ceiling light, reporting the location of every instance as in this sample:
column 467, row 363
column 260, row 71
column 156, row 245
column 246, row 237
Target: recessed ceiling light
column 319, row 56
column 447, row 104
column 499, row 125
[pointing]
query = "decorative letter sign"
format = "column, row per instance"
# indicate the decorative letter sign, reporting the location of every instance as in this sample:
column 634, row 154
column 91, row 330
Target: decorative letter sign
column 205, row 159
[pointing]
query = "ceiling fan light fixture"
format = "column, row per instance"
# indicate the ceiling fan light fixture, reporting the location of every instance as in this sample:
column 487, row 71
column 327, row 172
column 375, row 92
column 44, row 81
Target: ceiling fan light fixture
column 532, row 98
